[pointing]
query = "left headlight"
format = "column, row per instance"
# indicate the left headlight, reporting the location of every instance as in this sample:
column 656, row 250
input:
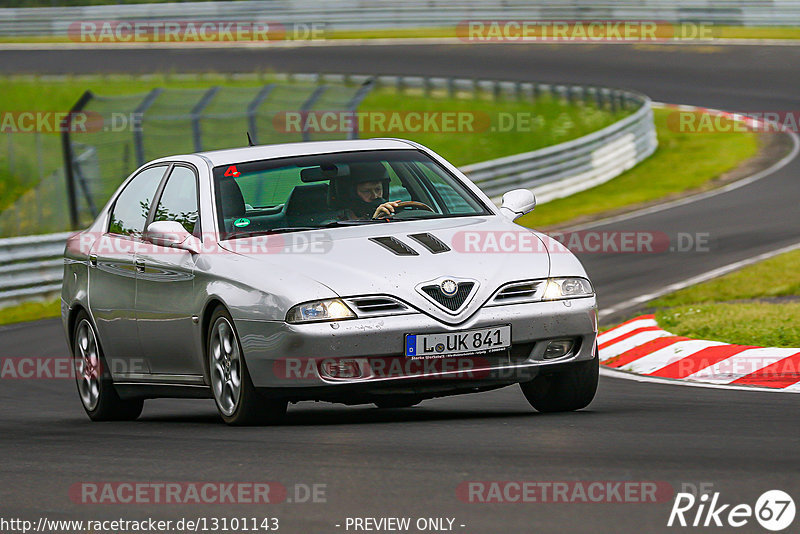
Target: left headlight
column 567, row 288
column 320, row 310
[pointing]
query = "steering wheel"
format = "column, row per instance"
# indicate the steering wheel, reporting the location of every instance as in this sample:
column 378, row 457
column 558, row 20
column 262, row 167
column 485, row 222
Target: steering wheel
column 411, row 204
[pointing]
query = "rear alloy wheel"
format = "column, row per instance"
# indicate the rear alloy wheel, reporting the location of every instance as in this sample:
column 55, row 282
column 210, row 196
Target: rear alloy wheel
column 564, row 391
column 238, row 401
column 95, row 386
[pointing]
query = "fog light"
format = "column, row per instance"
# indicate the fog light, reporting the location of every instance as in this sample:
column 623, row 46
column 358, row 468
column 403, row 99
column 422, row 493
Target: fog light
column 558, row 348
column 341, row 369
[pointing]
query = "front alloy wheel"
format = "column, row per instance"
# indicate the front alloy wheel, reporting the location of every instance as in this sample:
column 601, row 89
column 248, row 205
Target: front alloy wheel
column 238, row 401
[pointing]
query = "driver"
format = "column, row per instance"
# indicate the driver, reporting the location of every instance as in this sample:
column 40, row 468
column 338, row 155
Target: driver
column 367, row 188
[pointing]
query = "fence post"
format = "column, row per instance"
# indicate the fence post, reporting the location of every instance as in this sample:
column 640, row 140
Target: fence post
column 66, row 146
column 252, row 111
column 136, row 123
column 197, row 113
column 11, row 163
column 352, row 106
column 306, row 107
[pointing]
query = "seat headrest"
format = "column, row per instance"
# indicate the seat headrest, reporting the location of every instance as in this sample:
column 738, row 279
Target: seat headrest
column 232, row 201
column 307, row 199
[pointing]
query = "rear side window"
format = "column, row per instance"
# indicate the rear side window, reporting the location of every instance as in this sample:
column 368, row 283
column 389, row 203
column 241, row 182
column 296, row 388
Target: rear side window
column 129, row 214
column 179, row 200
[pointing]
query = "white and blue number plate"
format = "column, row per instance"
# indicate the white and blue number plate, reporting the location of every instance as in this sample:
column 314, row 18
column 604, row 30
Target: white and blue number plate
column 480, row 341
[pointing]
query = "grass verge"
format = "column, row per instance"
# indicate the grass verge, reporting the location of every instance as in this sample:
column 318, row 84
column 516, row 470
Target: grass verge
column 758, row 305
column 30, row 311
column 684, row 161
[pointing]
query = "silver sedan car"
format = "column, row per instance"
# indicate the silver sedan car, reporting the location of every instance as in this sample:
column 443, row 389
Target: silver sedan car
column 369, row 271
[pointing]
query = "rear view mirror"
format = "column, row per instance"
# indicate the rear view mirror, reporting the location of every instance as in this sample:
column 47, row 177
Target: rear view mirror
column 517, row 203
column 172, row 234
column 324, row 172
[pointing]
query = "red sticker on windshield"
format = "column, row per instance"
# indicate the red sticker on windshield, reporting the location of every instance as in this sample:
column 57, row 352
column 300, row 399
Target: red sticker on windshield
column 232, row 171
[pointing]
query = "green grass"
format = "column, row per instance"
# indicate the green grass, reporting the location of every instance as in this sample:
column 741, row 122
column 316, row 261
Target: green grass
column 554, row 121
column 753, row 306
column 775, row 277
column 549, row 121
column 30, row 311
column 683, row 162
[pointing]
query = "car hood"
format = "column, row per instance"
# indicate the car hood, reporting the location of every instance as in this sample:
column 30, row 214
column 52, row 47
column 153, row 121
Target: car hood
column 489, row 250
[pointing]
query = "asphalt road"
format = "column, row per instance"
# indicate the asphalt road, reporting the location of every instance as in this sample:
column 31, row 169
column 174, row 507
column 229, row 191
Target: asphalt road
column 410, row 462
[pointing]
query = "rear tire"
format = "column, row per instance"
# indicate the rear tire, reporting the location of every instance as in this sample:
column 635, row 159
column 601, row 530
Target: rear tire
column 564, row 391
column 93, row 378
column 237, row 400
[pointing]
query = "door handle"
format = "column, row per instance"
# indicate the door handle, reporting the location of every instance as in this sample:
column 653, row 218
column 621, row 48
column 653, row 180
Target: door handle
column 139, row 264
column 93, row 260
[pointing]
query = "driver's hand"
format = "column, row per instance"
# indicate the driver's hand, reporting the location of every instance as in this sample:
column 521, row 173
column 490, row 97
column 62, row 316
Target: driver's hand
column 386, row 209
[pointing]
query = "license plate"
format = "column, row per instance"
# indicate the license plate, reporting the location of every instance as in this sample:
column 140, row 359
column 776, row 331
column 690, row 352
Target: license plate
column 479, row 341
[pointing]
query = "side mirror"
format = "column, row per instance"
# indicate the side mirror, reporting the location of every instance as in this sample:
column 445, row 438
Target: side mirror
column 172, row 234
column 517, row 203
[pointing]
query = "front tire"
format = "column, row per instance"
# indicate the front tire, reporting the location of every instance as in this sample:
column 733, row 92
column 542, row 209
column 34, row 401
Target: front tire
column 238, row 401
column 95, row 386
column 564, row 391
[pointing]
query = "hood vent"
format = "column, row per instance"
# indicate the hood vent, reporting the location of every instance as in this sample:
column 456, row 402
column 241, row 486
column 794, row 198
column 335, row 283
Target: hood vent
column 395, row 245
column 430, row 242
column 453, row 303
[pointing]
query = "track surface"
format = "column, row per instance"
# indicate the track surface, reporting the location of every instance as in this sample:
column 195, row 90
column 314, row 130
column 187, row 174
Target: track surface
column 409, row 462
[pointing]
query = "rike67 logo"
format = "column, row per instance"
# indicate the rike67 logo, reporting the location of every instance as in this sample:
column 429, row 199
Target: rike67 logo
column 774, row 510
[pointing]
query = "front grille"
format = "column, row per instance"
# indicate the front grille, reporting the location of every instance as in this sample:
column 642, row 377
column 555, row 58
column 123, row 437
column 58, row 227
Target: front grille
column 369, row 306
column 451, row 303
column 518, row 291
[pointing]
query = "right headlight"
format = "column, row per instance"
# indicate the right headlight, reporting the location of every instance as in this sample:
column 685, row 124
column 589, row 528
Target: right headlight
column 567, row 288
column 320, row 310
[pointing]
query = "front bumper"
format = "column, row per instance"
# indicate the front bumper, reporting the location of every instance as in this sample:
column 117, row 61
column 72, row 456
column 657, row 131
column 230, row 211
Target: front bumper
column 286, row 358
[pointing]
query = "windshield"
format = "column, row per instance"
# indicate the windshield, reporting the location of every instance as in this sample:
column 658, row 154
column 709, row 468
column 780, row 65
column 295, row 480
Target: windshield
column 341, row 189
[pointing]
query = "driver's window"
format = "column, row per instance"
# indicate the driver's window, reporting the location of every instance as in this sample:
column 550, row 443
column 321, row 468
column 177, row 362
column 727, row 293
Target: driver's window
column 129, row 214
column 179, row 200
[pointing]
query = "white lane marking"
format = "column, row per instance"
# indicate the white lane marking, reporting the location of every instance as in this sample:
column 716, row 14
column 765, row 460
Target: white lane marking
column 670, row 354
column 700, row 196
column 634, row 341
column 794, row 388
column 615, row 373
column 614, row 333
column 742, row 364
column 714, row 273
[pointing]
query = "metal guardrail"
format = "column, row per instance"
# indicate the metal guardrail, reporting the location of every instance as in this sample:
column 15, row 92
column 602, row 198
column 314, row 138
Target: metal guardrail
column 567, row 168
column 32, row 267
column 379, row 14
